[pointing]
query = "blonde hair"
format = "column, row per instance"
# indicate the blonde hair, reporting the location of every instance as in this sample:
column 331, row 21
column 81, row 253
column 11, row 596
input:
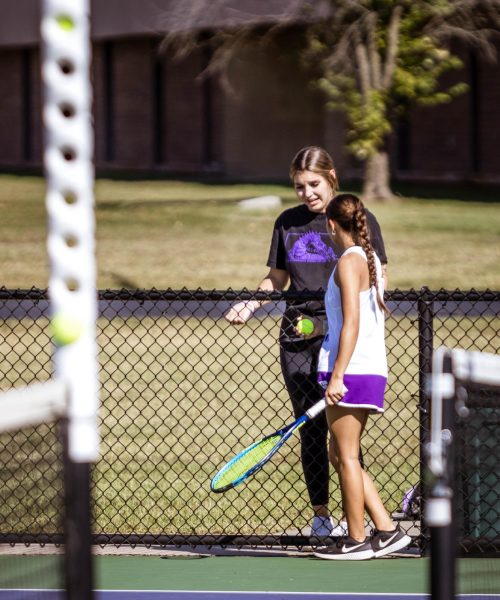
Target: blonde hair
column 317, row 160
column 349, row 212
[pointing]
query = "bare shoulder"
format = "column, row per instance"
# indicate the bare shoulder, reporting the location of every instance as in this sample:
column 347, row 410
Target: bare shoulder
column 351, row 261
column 350, row 271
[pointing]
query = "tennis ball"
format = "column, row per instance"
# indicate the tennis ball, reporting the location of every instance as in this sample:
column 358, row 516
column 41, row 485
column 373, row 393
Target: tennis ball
column 66, row 329
column 65, row 22
column 305, row 326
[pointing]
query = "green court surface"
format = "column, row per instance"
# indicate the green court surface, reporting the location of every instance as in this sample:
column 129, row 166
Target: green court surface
column 248, row 573
column 161, row 570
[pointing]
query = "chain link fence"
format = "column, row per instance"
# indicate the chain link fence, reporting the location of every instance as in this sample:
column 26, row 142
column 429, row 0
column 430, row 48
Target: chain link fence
column 183, row 390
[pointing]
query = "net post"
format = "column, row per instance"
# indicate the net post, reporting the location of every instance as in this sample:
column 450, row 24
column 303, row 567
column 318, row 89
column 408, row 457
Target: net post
column 441, row 502
column 79, row 572
column 69, row 174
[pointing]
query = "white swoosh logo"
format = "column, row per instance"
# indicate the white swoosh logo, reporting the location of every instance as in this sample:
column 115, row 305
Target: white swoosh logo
column 345, row 550
column 384, row 544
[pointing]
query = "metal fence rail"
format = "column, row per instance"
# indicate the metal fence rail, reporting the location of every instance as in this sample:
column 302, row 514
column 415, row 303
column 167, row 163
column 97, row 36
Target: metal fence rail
column 183, row 390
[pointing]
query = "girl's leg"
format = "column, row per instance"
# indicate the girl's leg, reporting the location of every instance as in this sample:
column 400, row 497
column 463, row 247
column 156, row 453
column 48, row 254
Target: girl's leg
column 346, row 426
column 387, row 538
column 358, row 491
column 373, row 503
column 374, row 506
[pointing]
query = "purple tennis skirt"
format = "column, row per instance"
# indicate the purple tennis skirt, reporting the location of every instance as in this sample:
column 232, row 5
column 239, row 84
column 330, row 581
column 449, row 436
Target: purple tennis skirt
column 363, row 391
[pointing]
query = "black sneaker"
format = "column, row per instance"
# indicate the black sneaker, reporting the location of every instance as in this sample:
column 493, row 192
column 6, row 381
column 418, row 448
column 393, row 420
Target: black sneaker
column 386, row 542
column 347, row 549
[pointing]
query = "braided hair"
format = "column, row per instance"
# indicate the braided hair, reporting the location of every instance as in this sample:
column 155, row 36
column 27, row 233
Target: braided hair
column 349, row 212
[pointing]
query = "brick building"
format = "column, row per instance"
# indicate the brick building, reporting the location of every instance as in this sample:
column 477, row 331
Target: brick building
column 153, row 113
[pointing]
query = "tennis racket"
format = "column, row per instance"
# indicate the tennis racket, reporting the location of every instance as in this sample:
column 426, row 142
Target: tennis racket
column 251, row 459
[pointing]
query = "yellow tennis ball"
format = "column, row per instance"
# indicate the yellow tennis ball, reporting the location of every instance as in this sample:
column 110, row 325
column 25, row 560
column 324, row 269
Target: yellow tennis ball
column 305, row 326
column 66, row 329
column 65, row 22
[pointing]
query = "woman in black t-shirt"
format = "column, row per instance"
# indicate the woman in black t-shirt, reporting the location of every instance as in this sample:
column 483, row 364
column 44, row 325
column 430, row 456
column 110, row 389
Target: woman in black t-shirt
column 302, row 255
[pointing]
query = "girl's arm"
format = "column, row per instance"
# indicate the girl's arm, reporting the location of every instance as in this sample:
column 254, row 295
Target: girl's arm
column 275, row 281
column 349, row 276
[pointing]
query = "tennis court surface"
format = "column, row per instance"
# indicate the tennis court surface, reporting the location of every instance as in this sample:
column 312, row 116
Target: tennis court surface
column 164, row 574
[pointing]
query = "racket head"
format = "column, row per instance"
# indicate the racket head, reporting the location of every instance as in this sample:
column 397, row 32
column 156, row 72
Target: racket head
column 248, row 461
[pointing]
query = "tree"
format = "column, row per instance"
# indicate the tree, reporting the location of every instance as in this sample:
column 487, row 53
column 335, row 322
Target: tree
column 377, row 58
column 373, row 59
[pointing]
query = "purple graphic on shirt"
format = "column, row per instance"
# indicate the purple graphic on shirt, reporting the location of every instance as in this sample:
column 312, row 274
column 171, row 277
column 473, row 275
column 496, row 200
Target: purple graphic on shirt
column 310, row 248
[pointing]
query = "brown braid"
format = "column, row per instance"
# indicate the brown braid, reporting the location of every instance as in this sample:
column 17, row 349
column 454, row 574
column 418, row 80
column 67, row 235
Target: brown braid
column 349, row 212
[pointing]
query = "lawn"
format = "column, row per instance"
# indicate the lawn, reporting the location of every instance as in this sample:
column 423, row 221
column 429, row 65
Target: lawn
column 181, row 394
column 188, row 234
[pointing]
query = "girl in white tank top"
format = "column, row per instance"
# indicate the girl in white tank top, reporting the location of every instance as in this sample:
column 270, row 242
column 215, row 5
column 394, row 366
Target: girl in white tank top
column 353, row 356
column 366, row 374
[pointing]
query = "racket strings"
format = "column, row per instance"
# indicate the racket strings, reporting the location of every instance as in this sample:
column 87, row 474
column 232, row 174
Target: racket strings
column 242, row 463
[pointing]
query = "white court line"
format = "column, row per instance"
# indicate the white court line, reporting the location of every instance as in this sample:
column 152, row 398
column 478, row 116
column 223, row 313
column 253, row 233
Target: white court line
column 56, row 594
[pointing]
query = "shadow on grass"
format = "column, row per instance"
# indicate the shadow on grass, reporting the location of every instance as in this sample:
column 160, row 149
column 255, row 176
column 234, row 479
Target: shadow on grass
column 454, row 191
column 461, row 192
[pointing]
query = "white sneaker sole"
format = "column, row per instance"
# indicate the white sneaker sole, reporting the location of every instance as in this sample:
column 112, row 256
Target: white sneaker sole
column 399, row 545
column 365, row 555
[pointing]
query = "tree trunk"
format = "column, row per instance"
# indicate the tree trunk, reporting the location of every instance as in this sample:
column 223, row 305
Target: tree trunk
column 376, row 183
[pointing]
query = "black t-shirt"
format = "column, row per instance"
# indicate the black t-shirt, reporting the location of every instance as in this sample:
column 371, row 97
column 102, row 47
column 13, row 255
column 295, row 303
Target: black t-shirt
column 302, row 246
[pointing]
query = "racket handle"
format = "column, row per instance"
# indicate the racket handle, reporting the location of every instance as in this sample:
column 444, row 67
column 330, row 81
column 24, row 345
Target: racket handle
column 319, row 407
column 316, row 408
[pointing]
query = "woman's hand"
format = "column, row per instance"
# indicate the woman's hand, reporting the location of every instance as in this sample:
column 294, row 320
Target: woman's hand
column 241, row 312
column 308, row 327
column 335, row 391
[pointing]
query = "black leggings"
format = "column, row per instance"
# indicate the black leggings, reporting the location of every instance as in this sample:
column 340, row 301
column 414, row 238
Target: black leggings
column 299, row 365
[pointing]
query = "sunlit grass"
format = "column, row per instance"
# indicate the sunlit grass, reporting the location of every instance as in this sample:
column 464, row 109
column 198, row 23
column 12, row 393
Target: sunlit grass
column 191, row 234
column 181, row 396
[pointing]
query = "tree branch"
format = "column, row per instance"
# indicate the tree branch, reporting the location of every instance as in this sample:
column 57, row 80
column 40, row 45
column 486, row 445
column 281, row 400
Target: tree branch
column 373, row 54
column 392, row 46
column 363, row 67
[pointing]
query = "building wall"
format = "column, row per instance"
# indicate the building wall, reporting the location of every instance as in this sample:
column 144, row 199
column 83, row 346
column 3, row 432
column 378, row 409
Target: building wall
column 459, row 140
column 182, row 114
column 111, row 19
column 269, row 115
column 440, row 136
column 155, row 113
column 11, row 126
column 19, row 23
column 131, row 117
column 488, row 125
column 20, row 107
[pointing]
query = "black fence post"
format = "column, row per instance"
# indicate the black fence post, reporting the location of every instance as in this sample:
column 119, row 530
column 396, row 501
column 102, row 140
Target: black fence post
column 443, row 538
column 78, row 527
column 425, row 347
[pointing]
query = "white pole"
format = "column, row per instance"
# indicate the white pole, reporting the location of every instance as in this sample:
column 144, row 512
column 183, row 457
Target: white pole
column 68, row 161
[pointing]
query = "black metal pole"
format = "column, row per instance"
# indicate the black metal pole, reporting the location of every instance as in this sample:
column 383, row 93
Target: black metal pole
column 444, row 538
column 425, row 347
column 78, row 536
column 443, row 551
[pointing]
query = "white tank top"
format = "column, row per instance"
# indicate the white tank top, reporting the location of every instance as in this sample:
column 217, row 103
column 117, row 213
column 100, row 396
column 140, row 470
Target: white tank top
column 369, row 356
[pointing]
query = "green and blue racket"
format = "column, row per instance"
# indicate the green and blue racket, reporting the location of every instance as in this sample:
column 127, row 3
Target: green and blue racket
column 251, row 459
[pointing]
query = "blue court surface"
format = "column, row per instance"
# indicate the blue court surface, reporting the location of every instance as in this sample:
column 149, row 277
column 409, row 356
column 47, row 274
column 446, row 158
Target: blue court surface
column 160, row 576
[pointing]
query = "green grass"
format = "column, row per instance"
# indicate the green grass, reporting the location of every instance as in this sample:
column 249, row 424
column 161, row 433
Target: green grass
column 189, row 234
column 181, row 395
